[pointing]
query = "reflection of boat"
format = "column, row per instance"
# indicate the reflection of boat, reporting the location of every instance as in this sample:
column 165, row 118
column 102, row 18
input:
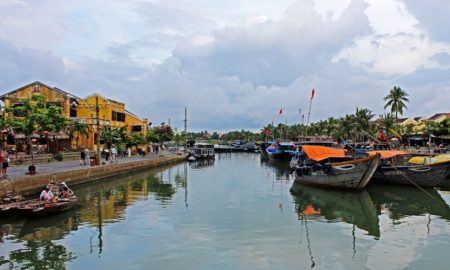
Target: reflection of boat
column 353, row 207
column 395, row 169
column 47, row 208
column 201, row 163
column 54, row 227
column 281, row 151
column 409, row 201
column 330, row 167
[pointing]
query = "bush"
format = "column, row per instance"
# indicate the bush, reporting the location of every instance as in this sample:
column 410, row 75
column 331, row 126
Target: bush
column 59, row 156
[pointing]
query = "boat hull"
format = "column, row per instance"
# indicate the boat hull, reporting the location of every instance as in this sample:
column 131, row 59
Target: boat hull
column 46, row 208
column 353, row 174
column 422, row 175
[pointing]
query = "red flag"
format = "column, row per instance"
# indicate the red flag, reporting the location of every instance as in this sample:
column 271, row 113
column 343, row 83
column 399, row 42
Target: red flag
column 267, row 131
column 281, row 111
column 312, row 93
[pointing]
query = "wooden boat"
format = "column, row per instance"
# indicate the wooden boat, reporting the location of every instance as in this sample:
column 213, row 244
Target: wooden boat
column 331, row 167
column 47, row 208
column 353, row 207
column 281, row 151
column 12, row 209
column 394, row 168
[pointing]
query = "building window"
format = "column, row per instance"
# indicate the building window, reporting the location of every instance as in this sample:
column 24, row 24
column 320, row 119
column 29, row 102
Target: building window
column 18, row 110
column 136, row 128
column 73, row 107
column 36, row 88
column 113, row 115
column 120, row 117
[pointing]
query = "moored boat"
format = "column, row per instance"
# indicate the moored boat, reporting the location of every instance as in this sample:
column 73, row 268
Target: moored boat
column 331, row 167
column 401, row 167
column 281, row 151
column 201, row 150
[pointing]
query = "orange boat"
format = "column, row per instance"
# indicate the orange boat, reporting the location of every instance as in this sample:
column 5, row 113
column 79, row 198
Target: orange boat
column 331, row 167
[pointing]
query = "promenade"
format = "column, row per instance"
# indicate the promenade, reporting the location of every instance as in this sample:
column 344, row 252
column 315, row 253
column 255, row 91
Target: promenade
column 70, row 171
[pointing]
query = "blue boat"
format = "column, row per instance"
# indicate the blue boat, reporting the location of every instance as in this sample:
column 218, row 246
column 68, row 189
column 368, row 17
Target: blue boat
column 281, row 151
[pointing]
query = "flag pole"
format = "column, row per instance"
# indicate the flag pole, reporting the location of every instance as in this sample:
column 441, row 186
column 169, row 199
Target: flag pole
column 309, row 111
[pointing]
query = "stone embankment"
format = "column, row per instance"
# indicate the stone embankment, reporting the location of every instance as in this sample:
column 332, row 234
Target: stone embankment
column 33, row 184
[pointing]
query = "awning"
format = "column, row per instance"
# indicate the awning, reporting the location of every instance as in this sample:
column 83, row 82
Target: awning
column 318, row 153
column 385, row 154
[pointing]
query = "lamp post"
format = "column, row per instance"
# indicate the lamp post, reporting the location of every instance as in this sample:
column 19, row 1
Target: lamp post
column 97, row 112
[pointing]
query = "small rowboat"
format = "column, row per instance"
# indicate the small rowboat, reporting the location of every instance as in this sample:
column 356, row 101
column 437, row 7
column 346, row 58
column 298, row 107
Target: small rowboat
column 47, row 208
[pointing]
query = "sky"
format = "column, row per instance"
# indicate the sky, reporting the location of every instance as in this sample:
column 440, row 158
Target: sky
column 233, row 63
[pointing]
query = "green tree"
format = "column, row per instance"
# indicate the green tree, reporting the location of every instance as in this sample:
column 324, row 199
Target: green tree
column 396, row 100
column 78, row 129
column 34, row 116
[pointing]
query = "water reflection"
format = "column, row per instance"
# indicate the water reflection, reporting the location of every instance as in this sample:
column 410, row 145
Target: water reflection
column 280, row 168
column 353, row 207
column 197, row 164
column 100, row 203
column 404, row 201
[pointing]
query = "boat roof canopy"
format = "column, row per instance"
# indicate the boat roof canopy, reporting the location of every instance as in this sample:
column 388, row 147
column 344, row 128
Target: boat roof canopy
column 385, row 154
column 318, row 153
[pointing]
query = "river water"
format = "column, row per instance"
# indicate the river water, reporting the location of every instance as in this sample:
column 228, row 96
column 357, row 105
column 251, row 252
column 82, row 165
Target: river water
column 237, row 212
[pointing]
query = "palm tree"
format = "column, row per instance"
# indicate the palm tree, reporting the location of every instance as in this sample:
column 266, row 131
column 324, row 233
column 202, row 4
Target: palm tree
column 396, row 99
column 362, row 120
column 79, row 129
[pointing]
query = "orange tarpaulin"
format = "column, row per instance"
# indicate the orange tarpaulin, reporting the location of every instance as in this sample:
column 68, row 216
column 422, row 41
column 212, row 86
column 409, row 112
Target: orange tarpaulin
column 385, row 154
column 318, row 153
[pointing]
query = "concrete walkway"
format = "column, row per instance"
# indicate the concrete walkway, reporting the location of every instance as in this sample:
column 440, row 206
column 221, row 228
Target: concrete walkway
column 19, row 171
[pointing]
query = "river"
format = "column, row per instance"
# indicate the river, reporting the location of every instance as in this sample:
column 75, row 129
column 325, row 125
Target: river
column 237, row 212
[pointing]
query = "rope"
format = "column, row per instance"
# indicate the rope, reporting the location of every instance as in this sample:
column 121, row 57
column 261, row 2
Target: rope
column 419, row 187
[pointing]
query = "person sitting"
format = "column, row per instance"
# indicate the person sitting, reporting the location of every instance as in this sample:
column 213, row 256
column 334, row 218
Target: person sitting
column 46, row 194
column 64, row 193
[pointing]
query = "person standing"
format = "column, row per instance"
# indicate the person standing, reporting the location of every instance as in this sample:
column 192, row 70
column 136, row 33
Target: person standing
column 113, row 154
column 87, row 156
column 1, row 162
column 5, row 164
column 82, row 158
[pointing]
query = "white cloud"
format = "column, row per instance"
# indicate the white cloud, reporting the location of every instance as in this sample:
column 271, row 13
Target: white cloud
column 232, row 63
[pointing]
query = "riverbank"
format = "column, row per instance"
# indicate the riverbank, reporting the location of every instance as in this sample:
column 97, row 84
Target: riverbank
column 73, row 173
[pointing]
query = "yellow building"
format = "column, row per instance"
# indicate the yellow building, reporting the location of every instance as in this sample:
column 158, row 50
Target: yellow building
column 110, row 112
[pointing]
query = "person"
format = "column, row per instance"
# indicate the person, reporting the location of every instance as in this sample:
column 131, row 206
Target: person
column 113, row 154
column 82, row 158
column 87, row 157
column 5, row 164
column 156, row 149
column 1, row 162
column 64, row 193
column 106, row 155
column 46, row 194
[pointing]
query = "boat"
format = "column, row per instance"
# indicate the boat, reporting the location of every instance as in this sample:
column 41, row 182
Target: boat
column 47, row 208
column 395, row 168
column 201, row 150
column 331, row 167
column 352, row 207
column 281, row 151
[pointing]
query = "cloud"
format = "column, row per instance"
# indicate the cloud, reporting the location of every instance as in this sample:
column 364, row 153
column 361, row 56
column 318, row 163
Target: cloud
column 233, row 66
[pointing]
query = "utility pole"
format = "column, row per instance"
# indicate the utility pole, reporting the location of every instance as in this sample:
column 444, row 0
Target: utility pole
column 97, row 112
column 185, row 129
